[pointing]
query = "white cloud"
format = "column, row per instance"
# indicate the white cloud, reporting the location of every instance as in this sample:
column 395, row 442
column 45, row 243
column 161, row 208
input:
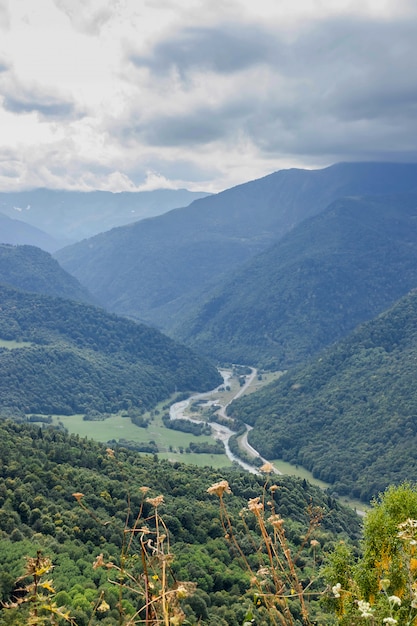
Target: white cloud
column 128, row 94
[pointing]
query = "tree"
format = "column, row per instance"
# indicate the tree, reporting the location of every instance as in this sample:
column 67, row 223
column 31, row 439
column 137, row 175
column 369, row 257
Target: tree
column 381, row 586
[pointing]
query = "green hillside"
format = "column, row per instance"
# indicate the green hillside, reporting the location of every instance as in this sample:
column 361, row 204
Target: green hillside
column 31, row 269
column 329, row 274
column 158, row 269
column 42, row 468
column 350, row 416
column 81, row 358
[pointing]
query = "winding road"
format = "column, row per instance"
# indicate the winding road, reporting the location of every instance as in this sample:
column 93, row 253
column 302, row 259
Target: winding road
column 221, row 431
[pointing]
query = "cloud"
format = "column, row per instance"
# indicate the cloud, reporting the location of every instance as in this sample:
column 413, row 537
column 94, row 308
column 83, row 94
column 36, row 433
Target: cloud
column 204, row 95
column 87, row 16
column 226, row 48
column 334, row 86
column 20, row 99
column 4, row 15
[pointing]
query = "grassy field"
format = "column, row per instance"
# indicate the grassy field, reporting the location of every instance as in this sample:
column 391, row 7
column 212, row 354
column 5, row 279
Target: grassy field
column 12, row 345
column 169, row 442
column 300, row 472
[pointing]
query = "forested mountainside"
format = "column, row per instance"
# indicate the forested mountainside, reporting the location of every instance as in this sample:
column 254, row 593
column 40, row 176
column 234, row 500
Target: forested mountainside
column 351, row 415
column 15, row 232
column 59, row 356
column 73, row 215
column 31, row 269
column 40, row 469
column 157, row 269
column 330, row 273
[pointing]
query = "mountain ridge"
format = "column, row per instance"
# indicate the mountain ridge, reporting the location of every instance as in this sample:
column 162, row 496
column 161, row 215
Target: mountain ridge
column 152, row 269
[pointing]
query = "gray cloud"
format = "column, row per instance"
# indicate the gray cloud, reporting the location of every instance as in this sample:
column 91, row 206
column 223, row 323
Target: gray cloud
column 19, row 99
column 225, row 49
column 45, row 108
column 335, row 87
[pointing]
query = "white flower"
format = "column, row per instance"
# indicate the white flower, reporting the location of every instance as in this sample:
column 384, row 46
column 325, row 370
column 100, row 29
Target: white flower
column 389, row 620
column 336, row 590
column 394, row 600
column 364, row 608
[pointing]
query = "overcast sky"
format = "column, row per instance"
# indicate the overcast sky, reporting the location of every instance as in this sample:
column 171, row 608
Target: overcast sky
column 204, row 94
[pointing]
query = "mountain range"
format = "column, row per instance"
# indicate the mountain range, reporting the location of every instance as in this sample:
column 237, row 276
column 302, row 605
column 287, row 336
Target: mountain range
column 68, row 216
column 157, row 270
column 313, row 286
column 306, row 271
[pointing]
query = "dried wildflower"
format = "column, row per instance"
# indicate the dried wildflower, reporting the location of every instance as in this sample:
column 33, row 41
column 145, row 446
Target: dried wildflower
column 181, row 592
column 274, row 488
column 155, row 502
column 267, row 468
column 219, row 488
column 78, row 496
column 103, row 607
column 110, row 453
column 314, row 543
column 99, row 562
column 276, row 521
column 255, row 505
column 144, row 490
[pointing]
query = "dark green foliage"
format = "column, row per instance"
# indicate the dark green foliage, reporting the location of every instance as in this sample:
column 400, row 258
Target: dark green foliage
column 350, row 416
column 313, row 287
column 84, row 358
column 187, row 426
column 40, row 469
column 158, row 269
column 206, row 448
column 31, row 269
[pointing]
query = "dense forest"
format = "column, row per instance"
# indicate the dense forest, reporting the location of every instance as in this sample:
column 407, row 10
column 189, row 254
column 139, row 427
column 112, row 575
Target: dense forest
column 31, row 269
column 41, row 469
column 312, row 287
column 76, row 357
column 350, row 416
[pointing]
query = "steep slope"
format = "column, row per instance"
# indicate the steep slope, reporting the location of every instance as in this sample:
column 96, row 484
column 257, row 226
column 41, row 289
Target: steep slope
column 157, row 269
column 329, row 274
column 71, row 358
column 31, row 269
column 18, row 233
column 351, row 415
column 41, row 468
column 73, row 215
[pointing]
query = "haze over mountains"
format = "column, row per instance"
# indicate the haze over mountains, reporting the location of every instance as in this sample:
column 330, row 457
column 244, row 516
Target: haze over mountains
column 158, row 270
column 68, row 216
